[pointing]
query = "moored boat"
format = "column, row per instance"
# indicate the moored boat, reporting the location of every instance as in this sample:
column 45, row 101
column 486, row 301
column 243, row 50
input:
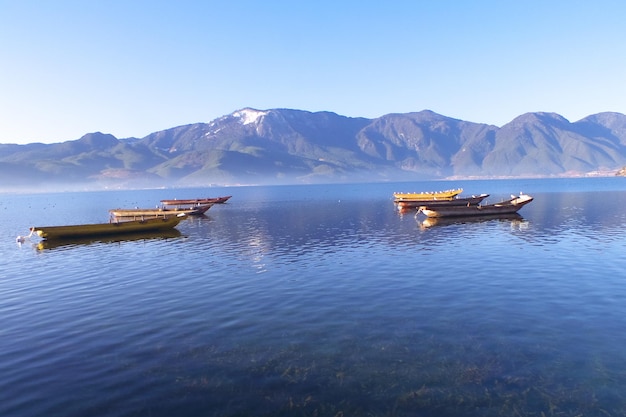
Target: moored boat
column 454, row 201
column 196, row 201
column 111, row 228
column 429, row 195
column 505, row 207
column 160, row 212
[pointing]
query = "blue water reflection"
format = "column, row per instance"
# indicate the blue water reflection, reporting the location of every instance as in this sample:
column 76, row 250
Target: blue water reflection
column 320, row 300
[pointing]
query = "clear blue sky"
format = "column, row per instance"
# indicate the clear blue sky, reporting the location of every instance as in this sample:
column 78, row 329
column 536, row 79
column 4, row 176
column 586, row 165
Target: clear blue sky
column 133, row 67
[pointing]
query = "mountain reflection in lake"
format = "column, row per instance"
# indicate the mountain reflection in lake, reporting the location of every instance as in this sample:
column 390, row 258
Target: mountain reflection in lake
column 320, row 300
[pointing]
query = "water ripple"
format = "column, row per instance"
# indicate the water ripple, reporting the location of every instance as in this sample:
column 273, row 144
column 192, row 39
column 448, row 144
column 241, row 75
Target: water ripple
column 284, row 303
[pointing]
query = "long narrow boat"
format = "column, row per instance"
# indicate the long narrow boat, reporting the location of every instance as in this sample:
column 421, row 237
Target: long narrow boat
column 160, row 212
column 454, row 201
column 505, row 207
column 106, row 229
column 430, row 195
column 196, row 201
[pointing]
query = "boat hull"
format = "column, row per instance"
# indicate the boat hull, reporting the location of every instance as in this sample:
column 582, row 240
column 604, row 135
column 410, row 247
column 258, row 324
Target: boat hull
column 506, row 207
column 456, row 201
column 107, row 229
column 160, row 212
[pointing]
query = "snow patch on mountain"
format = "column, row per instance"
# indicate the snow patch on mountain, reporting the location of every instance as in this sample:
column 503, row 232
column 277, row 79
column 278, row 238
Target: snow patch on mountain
column 248, row 116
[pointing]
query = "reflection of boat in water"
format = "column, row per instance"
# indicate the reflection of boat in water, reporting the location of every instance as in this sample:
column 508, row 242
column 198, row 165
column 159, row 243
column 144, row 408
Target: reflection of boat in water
column 197, row 201
column 404, row 204
column 505, row 207
column 446, row 221
column 107, row 229
column 128, row 237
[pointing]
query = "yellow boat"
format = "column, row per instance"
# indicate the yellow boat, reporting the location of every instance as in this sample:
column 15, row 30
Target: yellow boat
column 431, row 195
column 111, row 228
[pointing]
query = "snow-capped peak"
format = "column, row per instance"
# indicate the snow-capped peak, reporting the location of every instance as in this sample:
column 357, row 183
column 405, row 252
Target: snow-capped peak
column 248, row 116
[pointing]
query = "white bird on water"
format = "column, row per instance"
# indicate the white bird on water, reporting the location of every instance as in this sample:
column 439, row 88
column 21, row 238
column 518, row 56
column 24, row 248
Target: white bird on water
column 22, row 239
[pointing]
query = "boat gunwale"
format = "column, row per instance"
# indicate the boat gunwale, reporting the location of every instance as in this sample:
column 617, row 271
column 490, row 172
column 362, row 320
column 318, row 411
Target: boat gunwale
column 196, row 201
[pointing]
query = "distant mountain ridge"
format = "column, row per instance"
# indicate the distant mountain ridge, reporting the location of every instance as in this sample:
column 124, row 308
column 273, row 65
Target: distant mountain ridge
column 252, row 146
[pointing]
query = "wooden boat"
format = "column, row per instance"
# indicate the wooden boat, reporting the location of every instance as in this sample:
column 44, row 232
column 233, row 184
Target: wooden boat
column 505, row 207
column 454, row 201
column 106, row 229
column 430, row 195
column 160, row 212
column 196, row 201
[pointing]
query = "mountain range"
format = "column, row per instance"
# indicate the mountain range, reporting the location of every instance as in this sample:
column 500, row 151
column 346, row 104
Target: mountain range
column 282, row 146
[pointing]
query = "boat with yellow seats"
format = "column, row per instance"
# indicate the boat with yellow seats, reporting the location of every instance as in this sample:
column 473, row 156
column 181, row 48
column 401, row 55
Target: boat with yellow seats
column 429, row 195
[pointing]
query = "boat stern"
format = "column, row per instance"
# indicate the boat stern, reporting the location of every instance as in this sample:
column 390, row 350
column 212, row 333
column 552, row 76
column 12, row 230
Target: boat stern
column 38, row 232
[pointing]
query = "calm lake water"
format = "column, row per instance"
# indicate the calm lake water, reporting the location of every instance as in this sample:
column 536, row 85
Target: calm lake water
column 319, row 301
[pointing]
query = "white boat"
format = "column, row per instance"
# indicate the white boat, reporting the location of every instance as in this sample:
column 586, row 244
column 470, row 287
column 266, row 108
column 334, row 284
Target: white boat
column 505, row 207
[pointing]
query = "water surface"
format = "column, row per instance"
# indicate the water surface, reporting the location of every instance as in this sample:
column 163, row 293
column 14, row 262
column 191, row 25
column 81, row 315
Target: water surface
column 319, row 301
